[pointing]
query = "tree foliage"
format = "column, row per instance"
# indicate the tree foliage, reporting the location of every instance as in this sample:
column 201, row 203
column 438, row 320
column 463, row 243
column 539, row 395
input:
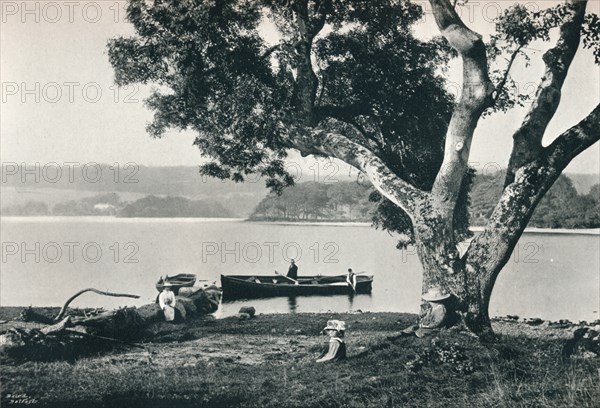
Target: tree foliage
column 317, row 201
column 516, row 29
column 217, row 74
column 215, row 71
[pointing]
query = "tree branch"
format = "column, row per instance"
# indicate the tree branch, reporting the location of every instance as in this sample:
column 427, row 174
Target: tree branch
column 320, row 10
column 307, row 82
column 100, row 292
column 502, row 82
column 574, row 141
column 330, row 144
column 375, row 137
column 269, row 51
column 527, row 140
column 475, row 97
column 493, row 247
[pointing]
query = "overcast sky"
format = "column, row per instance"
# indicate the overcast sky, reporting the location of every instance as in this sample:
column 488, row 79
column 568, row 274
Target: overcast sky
column 59, row 103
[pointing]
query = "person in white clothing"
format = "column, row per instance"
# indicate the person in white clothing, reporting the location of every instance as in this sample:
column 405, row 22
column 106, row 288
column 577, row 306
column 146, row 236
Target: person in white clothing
column 166, row 301
column 351, row 279
column 337, row 347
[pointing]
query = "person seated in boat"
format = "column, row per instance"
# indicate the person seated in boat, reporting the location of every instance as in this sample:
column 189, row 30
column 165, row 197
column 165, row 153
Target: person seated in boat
column 351, row 279
column 441, row 314
column 335, row 329
column 293, row 270
column 166, row 301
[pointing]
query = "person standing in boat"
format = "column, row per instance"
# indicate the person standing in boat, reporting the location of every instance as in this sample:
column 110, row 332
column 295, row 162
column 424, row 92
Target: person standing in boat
column 351, row 279
column 293, row 270
column 166, row 301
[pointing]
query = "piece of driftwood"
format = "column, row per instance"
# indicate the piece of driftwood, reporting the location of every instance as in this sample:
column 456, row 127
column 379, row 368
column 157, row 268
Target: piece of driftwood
column 56, row 327
column 81, row 292
column 121, row 325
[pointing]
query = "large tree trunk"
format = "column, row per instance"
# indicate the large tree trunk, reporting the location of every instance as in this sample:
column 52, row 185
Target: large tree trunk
column 444, row 267
column 532, row 168
column 462, row 281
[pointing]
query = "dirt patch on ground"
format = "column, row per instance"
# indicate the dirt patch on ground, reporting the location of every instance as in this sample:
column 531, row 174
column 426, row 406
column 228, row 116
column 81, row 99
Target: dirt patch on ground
column 247, row 350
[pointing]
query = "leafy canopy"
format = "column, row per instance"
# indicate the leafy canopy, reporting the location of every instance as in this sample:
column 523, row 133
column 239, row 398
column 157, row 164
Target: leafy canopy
column 216, row 72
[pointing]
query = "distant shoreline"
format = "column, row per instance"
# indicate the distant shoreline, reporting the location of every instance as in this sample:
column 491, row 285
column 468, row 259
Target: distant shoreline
column 582, row 231
column 96, row 218
column 110, row 218
column 536, row 230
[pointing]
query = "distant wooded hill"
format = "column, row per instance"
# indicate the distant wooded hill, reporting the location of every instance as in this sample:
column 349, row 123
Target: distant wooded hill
column 33, row 187
column 153, row 206
column 111, row 205
column 572, row 202
column 562, row 207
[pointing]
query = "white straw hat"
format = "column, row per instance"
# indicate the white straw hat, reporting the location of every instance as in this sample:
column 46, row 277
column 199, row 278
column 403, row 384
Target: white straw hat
column 338, row 325
column 435, row 294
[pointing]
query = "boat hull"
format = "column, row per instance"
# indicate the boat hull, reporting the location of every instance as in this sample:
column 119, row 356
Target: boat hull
column 182, row 280
column 248, row 287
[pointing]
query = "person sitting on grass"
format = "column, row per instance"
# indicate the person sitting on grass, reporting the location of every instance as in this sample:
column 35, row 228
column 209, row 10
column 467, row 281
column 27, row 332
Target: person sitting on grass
column 441, row 314
column 337, row 347
column 166, row 301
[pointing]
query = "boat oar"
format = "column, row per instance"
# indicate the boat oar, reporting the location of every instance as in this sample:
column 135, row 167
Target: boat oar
column 287, row 277
column 351, row 284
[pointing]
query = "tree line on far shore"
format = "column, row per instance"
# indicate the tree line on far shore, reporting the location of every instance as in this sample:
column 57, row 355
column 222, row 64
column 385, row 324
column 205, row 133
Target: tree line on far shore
column 562, row 207
column 311, row 201
column 111, row 205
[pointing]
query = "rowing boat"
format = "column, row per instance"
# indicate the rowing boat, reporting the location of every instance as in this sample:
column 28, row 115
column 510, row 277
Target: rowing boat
column 246, row 286
column 178, row 281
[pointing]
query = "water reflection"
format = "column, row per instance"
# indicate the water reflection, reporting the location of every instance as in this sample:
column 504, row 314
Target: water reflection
column 350, row 300
column 292, row 304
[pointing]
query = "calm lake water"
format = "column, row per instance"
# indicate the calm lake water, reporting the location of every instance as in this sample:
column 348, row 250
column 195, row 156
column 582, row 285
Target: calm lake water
column 46, row 260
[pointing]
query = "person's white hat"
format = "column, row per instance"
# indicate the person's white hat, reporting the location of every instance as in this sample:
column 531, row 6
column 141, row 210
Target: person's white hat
column 338, row 325
column 435, row 294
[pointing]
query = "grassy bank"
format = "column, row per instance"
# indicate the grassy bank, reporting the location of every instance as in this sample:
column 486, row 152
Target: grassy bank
column 268, row 361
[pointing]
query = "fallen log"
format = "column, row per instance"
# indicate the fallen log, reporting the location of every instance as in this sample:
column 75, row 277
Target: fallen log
column 121, row 325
